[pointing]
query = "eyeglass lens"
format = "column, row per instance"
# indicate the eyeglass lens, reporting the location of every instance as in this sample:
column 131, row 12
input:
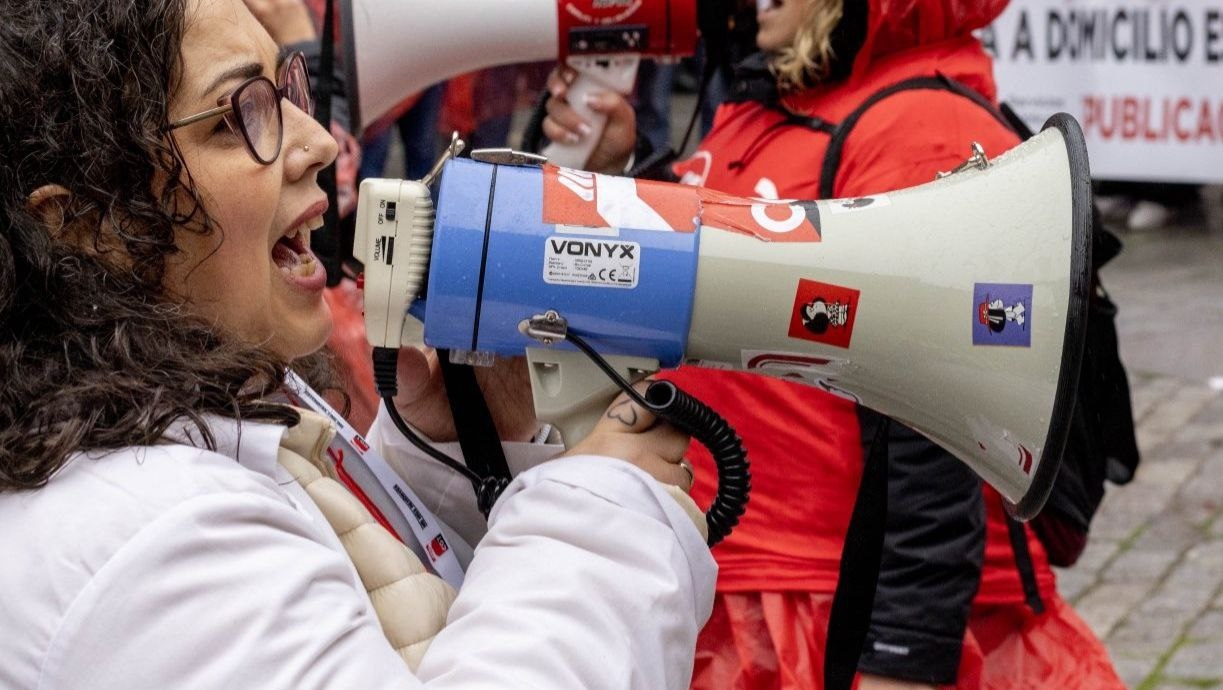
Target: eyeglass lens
column 257, row 108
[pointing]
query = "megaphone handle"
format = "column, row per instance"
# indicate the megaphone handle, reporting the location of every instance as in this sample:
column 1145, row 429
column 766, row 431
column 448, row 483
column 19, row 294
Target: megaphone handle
column 619, row 74
column 572, row 393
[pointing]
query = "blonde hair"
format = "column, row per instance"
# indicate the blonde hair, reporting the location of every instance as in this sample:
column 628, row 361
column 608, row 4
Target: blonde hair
column 809, row 58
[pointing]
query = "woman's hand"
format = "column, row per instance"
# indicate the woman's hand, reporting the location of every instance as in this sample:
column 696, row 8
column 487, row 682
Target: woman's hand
column 288, row 21
column 422, row 400
column 631, row 433
column 563, row 125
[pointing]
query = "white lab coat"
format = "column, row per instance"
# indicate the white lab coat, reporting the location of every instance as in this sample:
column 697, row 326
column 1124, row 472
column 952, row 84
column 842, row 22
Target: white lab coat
column 175, row 567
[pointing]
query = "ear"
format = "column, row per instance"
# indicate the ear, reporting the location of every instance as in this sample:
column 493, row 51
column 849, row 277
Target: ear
column 48, row 203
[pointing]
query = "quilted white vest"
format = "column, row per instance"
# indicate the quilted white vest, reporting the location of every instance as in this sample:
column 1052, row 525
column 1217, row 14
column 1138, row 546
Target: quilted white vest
column 411, row 603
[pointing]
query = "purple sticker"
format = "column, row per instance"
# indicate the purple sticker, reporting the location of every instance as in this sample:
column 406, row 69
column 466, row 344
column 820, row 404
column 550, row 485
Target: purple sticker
column 1002, row 314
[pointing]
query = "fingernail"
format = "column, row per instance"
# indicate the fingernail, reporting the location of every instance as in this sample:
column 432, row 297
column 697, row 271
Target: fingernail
column 594, row 101
column 572, row 138
column 555, row 90
column 584, row 130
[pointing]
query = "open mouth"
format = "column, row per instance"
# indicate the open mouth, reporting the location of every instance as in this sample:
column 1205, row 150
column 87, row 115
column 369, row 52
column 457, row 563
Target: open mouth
column 293, row 257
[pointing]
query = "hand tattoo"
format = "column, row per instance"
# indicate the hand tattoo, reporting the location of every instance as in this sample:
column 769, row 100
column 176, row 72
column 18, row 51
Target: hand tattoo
column 626, row 416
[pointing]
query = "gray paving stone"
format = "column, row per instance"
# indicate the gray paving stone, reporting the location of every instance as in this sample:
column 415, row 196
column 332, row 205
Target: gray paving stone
column 1148, row 391
column 1106, row 604
column 1198, row 660
column 1207, row 554
column 1098, row 553
column 1199, row 506
column 1210, row 433
column 1072, row 584
column 1133, row 671
column 1209, row 627
column 1145, row 637
column 1137, row 565
column 1170, row 415
column 1177, row 447
column 1212, row 413
column 1186, row 591
column 1170, row 472
column 1170, row 531
column 1127, row 509
column 1169, row 683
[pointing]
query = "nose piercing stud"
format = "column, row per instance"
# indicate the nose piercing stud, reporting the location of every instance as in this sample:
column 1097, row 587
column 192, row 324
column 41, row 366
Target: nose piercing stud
column 306, row 148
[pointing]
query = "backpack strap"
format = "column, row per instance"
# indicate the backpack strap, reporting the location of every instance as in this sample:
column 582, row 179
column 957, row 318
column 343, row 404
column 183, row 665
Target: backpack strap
column 940, row 82
column 1023, row 564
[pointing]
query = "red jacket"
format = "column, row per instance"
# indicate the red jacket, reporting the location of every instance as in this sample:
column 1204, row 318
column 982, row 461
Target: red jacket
column 803, row 443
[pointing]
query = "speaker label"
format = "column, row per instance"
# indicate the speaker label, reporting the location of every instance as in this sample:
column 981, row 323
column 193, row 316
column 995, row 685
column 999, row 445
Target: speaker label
column 823, row 313
column 592, row 262
column 1002, row 314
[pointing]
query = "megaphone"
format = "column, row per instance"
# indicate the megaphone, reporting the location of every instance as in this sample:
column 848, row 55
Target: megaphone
column 957, row 307
column 395, row 48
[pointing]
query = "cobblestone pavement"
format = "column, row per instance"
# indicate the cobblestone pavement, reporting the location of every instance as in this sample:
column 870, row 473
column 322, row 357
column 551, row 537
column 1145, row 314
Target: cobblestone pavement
column 1151, row 581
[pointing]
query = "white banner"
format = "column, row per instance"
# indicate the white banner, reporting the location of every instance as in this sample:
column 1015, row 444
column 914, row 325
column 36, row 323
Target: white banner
column 1144, row 78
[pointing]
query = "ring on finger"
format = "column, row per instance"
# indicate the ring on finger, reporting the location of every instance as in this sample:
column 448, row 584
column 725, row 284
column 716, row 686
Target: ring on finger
column 687, row 468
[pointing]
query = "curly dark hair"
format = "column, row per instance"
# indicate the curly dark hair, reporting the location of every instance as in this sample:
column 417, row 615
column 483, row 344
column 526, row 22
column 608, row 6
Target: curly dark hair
column 95, row 354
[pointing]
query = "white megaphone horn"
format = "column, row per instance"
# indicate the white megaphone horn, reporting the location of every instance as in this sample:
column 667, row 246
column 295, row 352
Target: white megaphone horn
column 394, row 48
column 957, row 307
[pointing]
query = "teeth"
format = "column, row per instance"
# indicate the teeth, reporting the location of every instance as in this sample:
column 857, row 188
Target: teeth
column 304, row 269
column 303, row 231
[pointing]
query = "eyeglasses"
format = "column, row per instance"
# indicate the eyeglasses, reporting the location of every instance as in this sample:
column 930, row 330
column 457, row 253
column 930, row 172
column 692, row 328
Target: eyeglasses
column 253, row 111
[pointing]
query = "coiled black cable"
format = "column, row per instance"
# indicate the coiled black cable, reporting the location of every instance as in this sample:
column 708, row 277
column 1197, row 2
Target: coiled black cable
column 708, row 427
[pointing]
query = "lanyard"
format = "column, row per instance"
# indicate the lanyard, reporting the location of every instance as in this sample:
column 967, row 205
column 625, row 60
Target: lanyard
column 346, row 446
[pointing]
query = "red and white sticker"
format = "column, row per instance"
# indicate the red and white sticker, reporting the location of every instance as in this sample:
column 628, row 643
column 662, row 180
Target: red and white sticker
column 771, row 220
column 823, row 313
column 583, row 199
